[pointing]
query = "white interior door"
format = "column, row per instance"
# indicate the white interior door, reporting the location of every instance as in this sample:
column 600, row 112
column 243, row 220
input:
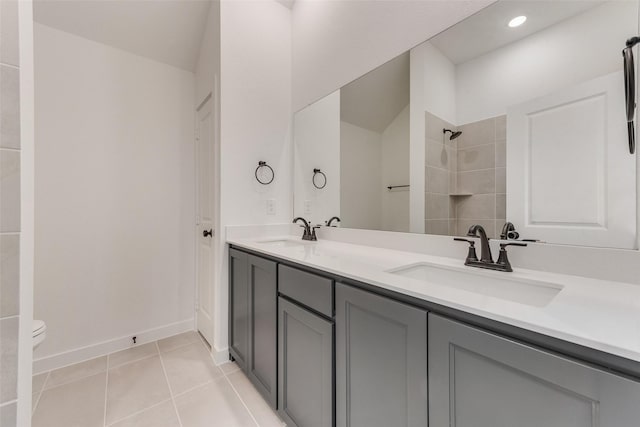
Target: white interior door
column 570, row 177
column 205, row 230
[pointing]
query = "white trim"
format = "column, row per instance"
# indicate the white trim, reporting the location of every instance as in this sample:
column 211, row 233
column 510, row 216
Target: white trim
column 220, row 356
column 80, row 354
column 27, row 209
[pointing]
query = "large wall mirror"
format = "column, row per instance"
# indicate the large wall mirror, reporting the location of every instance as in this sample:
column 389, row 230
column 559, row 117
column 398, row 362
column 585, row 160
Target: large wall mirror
column 516, row 114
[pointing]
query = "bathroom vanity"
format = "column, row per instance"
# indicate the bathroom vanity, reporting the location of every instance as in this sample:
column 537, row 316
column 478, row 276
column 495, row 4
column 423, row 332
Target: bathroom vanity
column 484, row 126
column 354, row 341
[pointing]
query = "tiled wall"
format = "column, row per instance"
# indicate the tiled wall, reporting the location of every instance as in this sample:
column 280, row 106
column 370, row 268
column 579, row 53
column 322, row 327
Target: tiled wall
column 481, row 172
column 465, row 178
column 440, row 177
column 9, row 210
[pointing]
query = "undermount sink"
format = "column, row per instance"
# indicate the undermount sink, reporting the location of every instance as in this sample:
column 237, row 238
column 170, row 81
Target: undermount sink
column 494, row 284
column 282, row 243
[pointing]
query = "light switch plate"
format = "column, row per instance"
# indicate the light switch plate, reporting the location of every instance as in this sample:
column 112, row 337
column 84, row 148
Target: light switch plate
column 307, row 207
column 271, row 206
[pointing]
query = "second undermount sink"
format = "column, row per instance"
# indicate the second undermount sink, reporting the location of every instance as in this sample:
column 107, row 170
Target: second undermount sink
column 494, row 284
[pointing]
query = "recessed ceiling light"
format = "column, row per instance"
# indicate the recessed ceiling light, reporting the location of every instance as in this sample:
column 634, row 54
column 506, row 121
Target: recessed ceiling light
column 517, row 21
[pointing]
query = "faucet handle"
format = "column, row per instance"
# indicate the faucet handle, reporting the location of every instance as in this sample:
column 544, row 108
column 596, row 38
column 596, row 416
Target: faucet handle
column 460, row 239
column 504, row 245
column 503, row 259
column 471, row 255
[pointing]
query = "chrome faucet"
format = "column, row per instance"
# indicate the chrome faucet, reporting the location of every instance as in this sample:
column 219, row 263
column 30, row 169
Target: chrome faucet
column 486, row 260
column 309, row 231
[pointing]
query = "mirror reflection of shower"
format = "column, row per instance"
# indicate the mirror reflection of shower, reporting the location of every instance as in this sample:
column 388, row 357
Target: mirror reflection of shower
column 454, row 134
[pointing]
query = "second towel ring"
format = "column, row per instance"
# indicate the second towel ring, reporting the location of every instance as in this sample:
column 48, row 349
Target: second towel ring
column 263, row 164
column 319, row 172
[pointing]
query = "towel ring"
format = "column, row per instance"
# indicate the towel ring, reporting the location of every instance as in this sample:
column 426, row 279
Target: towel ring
column 262, row 164
column 319, row 172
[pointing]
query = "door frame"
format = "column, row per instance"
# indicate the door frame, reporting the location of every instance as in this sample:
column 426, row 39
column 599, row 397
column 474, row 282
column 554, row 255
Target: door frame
column 213, row 98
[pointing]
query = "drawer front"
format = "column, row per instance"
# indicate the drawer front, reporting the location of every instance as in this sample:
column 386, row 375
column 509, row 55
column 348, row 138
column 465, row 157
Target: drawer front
column 314, row 291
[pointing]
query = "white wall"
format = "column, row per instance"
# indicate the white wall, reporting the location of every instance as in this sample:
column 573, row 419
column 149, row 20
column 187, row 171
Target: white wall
column 334, row 42
column 114, row 190
column 369, row 163
column 316, row 138
column 394, row 170
column 255, row 124
column 433, row 89
column 439, row 82
column 207, row 71
column 360, row 177
column 570, row 52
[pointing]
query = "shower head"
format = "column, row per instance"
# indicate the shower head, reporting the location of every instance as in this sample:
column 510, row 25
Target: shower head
column 454, row 134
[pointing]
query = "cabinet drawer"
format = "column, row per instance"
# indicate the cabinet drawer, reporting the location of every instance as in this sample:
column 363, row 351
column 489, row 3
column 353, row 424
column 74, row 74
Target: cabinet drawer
column 314, row 291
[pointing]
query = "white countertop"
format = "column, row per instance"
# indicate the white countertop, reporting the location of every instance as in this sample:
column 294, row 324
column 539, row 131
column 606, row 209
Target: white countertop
column 599, row 314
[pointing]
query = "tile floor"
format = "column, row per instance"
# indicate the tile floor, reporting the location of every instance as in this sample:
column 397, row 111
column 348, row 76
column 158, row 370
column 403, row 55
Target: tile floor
column 169, row 383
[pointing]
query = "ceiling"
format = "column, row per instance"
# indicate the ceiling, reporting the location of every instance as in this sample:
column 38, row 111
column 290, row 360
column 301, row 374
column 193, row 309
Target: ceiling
column 375, row 99
column 168, row 31
column 487, row 30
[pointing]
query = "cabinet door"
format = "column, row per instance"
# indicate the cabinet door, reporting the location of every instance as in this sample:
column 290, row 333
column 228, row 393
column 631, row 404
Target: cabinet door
column 239, row 307
column 305, row 367
column 477, row 379
column 263, row 333
column 381, row 361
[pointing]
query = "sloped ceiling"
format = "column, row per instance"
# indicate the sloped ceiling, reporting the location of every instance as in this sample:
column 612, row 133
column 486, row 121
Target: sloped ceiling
column 375, row 99
column 168, row 31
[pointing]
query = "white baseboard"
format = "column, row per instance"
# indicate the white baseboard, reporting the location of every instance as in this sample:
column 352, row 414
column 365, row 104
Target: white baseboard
column 81, row 354
column 220, row 356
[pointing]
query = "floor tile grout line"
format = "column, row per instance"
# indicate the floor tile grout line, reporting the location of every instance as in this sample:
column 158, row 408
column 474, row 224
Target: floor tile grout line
column 158, row 351
column 139, row 412
column 8, row 403
column 242, row 401
column 182, row 393
column 40, row 393
column 106, row 393
column 104, row 355
column 166, row 377
column 174, row 349
column 149, row 356
column 96, row 373
column 226, row 374
column 75, row 380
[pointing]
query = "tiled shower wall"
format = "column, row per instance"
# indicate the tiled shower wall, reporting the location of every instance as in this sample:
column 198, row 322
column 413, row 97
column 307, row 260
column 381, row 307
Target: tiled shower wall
column 465, row 178
column 482, row 173
column 440, row 177
column 9, row 210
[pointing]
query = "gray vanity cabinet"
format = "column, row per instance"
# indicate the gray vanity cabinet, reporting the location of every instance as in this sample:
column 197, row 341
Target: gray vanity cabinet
column 305, row 367
column 263, row 330
column 478, row 379
column 253, row 319
column 381, row 361
column 239, row 307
